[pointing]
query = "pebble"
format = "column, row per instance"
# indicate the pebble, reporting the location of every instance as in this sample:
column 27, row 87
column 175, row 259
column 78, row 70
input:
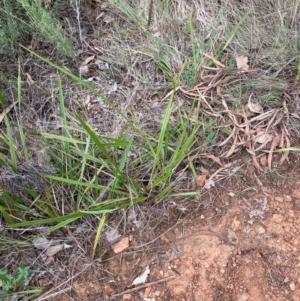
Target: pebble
column 292, row 286
column 277, row 218
column 279, row 199
column 243, row 297
column 127, row 297
column 287, row 198
column 261, row 230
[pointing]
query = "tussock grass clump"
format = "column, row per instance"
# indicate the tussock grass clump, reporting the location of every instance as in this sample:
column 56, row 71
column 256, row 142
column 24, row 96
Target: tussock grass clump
column 28, row 22
column 99, row 171
column 19, row 19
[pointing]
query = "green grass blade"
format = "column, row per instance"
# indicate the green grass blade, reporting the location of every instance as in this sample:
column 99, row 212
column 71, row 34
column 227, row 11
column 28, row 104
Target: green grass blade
column 98, row 233
column 231, row 36
column 64, row 120
column 90, row 88
column 84, row 163
column 63, row 138
column 162, row 133
column 164, row 192
column 81, row 82
column 5, row 215
column 289, row 149
column 12, row 149
column 21, row 129
column 84, row 184
column 98, row 144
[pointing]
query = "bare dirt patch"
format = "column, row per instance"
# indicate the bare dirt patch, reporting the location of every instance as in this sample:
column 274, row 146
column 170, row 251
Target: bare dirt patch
column 244, row 246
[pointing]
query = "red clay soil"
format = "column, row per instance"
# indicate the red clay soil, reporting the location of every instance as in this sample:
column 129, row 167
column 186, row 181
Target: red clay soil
column 250, row 254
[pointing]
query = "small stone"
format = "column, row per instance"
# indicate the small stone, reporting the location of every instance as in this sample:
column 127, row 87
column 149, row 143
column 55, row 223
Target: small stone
column 222, row 271
column 263, row 160
column 201, row 180
column 292, row 286
column 147, row 292
column 42, row 282
column 202, row 216
column 261, row 230
column 287, row 198
column 279, row 199
column 296, row 193
column 176, row 261
column 235, row 225
column 121, row 245
column 243, row 297
column 127, row 297
column 297, row 204
column 108, row 288
column 156, row 294
column 277, row 218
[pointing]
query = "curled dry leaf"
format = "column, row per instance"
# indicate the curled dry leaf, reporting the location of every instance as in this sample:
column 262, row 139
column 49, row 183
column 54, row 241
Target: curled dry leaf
column 275, row 142
column 285, row 155
column 87, row 60
column 209, row 156
column 204, row 170
column 232, row 148
column 232, row 237
column 212, row 157
column 142, row 278
column 87, row 99
column 209, row 183
column 107, row 19
column 83, row 70
column 217, row 62
column 51, row 251
column 112, row 235
column 255, row 107
column 262, row 137
column 30, row 80
column 242, row 62
column 41, row 243
column 2, row 115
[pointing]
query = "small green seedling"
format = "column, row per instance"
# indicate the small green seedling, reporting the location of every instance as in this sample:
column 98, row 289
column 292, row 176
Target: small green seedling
column 12, row 283
column 15, row 284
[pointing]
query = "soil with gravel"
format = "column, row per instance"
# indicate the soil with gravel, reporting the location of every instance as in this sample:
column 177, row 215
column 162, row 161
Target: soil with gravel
column 245, row 247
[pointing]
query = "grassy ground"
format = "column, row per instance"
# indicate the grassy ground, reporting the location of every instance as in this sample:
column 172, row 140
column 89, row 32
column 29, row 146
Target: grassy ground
column 156, row 101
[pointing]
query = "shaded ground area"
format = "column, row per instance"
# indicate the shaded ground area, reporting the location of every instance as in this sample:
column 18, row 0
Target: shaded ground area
column 243, row 246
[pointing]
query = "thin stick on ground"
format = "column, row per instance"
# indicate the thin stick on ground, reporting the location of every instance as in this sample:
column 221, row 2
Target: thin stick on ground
column 142, row 286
